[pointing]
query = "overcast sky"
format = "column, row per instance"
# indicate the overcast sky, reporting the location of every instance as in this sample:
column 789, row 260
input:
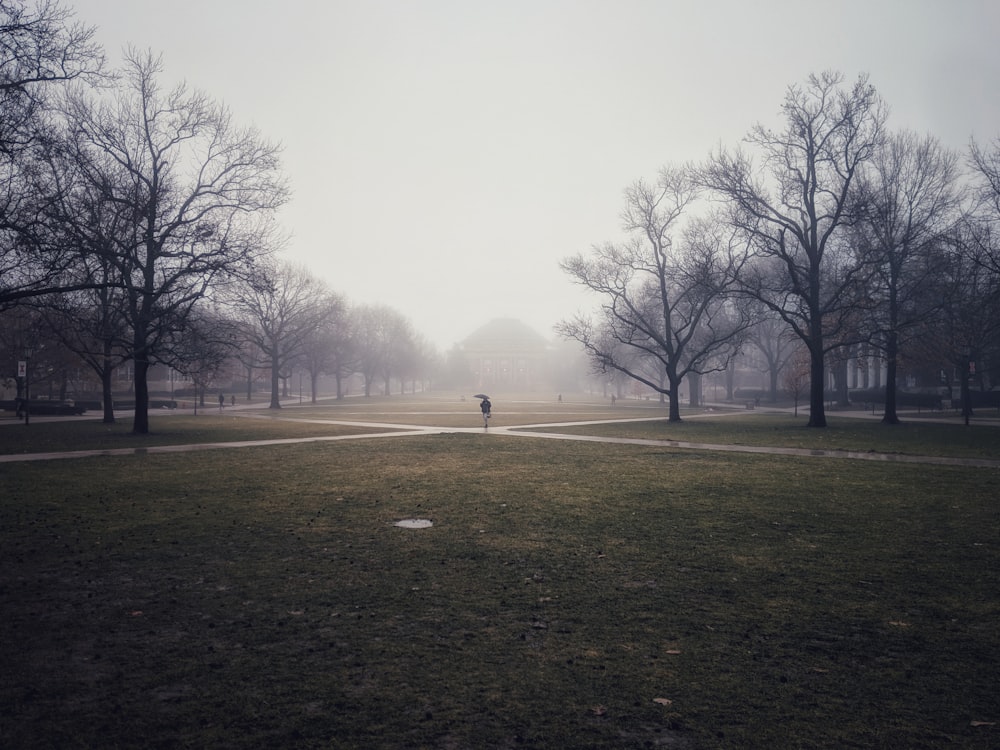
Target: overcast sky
column 445, row 155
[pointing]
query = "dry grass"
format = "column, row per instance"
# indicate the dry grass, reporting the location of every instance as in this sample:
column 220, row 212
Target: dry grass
column 568, row 595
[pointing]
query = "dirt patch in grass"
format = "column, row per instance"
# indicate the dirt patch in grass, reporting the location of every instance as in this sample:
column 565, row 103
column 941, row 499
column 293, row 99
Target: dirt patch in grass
column 567, row 595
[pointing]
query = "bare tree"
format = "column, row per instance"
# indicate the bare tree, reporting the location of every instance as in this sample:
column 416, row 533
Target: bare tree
column 965, row 330
column 278, row 311
column 665, row 300
column 796, row 375
column 381, row 336
column 40, row 45
column 91, row 324
column 794, row 205
column 344, row 356
column 41, row 49
column 204, row 350
column 200, row 191
column 88, row 314
column 911, row 200
column 322, row 346
column 776, row 344
column 986, row 163
column 419, row 362
column 400, row 350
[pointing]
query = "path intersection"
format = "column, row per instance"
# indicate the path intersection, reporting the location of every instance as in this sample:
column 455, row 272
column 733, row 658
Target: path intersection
column 397, row 430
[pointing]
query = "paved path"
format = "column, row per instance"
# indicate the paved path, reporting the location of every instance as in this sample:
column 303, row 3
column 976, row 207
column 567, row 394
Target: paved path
column 400, row 430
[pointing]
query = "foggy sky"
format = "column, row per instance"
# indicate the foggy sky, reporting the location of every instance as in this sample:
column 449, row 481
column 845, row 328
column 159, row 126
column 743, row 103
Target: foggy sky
column 445, row 155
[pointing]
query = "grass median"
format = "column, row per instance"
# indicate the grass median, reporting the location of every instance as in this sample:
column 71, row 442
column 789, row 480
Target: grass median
column 567, row 595
column 914, row 438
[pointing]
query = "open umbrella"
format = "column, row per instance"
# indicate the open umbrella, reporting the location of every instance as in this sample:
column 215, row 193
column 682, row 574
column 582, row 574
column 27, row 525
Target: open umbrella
column 480, row 395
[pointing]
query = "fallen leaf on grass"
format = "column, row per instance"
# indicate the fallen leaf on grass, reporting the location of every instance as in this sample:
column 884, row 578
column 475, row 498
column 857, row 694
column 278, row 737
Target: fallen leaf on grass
column 599, row 711
column 899, row 623
column 663, row 701
column 672, row 651
column 984, row 723
column 135, row 613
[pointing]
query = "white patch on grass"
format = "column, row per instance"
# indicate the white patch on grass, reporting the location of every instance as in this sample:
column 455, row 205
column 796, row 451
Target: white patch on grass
column 414, row 523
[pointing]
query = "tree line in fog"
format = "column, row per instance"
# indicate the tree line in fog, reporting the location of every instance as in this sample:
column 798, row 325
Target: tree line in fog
column 823, row 240
column 138, row 225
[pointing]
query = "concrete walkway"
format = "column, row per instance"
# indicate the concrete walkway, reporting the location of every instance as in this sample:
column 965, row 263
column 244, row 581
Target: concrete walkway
column 523, row 431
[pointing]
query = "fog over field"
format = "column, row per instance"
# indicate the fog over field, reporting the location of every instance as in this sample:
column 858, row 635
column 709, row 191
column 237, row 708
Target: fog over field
column 446, row 155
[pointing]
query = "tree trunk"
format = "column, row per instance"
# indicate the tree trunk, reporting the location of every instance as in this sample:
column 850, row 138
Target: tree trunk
column 106, row 394
column 140, row 422
column 889, row 415
column 840, row 379
column 674, row 399
column 817, row 390
column 275, row 379
column 966, row 397
column 891, row 350
column 694, row 390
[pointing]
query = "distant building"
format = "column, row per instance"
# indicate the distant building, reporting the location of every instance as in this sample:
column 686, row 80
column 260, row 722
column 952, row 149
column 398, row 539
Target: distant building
column 507, row 355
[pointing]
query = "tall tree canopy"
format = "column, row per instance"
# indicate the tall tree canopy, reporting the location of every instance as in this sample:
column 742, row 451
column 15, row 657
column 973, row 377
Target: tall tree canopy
column 197, row 193
column 910, row 202
column 279, row 310
column 664, row 299
column 793, row 205
column 41, row 48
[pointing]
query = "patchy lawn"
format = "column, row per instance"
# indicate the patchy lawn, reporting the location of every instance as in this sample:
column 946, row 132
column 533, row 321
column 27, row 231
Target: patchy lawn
column 567, row 595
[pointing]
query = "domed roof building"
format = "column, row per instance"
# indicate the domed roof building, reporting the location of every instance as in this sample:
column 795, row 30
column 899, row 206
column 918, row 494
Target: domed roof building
column 507, row 355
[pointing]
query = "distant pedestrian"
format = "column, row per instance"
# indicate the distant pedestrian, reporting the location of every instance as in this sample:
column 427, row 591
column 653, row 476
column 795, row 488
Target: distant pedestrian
column 485, row 406
column 222, row 400
column 232, row 400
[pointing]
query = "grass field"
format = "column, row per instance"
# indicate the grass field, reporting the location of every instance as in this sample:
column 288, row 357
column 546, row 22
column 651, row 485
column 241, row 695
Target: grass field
column 568, row 594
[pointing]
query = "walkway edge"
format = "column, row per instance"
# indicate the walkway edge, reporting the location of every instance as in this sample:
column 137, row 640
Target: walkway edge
column 520, row 432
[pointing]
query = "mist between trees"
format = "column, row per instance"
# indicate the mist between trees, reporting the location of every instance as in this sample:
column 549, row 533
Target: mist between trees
column 828, row 240
column 138, row 231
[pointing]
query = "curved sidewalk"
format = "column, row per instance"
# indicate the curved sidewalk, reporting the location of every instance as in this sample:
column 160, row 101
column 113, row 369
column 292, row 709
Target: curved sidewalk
column 522, row 431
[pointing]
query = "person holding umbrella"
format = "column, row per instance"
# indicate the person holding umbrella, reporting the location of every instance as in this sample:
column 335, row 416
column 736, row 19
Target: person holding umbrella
column 485, row 407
